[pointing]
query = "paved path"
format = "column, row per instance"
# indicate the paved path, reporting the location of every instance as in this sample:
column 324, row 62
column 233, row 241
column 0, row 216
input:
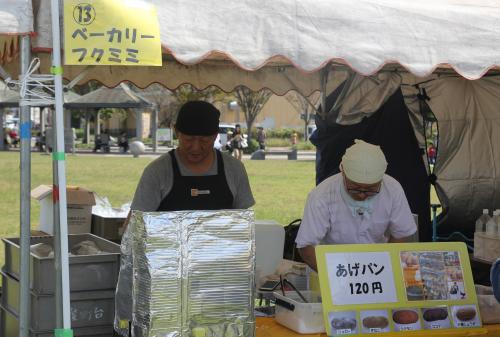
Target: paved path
column 115, row 151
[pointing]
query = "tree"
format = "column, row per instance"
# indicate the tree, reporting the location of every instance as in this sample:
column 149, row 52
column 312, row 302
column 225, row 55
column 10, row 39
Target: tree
column 164, row 100
column 305, row 106
column 169, row 102
column 251, row 103
column 211, row 94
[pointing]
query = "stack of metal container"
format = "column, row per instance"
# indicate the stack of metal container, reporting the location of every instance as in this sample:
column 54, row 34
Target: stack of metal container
column 191, row 273
column 93, row 277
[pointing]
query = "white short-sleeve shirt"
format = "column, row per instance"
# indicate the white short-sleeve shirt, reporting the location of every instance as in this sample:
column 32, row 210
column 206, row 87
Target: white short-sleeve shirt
column 328, row 220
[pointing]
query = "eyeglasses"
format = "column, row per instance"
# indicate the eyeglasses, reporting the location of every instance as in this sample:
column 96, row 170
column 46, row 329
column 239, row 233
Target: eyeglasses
column 355, row 191
column 365, row 192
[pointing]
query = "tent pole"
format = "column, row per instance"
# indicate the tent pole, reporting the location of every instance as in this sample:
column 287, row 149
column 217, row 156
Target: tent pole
column 97, row 124
column 2, row 133
column 25, row 235
column 59, row 181
column 138, row 124
column 87, row 127
column 155, row 128
column 322, row 85
column 67, row 118
column 306, row 122
column 42, row 120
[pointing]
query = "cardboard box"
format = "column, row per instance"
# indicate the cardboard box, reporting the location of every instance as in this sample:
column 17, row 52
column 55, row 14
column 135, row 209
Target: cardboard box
column 80, row 202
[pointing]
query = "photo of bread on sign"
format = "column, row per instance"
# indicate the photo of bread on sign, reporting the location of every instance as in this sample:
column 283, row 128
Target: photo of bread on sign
column 465, row 316
column 343, row 322
column 436, row 318
column 374, row 321
column 406, row 319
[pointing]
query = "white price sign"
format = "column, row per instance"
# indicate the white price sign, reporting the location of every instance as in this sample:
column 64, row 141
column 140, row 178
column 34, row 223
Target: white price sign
column 361, row 277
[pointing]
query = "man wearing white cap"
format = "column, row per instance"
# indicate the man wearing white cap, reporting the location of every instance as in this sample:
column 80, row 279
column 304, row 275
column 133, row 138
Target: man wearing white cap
column 361, row 204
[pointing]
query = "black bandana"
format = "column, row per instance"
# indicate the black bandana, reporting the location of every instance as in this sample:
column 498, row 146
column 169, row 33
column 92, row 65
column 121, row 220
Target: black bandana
column 198, row 118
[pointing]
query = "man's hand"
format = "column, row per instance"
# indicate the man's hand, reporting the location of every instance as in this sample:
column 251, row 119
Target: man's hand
column 308, row 254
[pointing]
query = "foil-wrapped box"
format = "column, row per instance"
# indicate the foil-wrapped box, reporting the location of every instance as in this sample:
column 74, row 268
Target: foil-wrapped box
column 187, row 271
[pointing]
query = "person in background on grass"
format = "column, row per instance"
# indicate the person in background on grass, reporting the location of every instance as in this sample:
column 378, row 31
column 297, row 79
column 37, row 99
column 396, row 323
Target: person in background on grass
column 123, row 142
column 229, row 145
column 361, row 204
column 14, row 137
column 261, row 138
column 236, row 142
column 97, row 143
column 40, row 141
column 294, row 139
column 102, row 142
column 431, row 153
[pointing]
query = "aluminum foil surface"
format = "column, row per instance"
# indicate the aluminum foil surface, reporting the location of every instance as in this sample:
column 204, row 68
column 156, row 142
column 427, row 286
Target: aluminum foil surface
column 123, row 295
column 192, row 270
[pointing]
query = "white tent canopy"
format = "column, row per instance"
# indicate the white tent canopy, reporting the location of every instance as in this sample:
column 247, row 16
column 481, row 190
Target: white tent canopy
column 276, row 43
column 16, row 18
column 308, row 33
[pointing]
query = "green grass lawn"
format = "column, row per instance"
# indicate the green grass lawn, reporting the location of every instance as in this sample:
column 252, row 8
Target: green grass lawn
column 280, row 187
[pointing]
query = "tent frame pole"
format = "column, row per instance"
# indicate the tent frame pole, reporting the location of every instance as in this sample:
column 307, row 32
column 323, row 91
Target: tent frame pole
column 59, row 188
column 155, row 127
column 3, row 146
column 323, row 82
column 25, row 206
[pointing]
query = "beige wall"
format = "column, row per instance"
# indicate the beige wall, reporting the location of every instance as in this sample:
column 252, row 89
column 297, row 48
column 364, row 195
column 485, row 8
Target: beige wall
column 116, row 122
column 277, row 113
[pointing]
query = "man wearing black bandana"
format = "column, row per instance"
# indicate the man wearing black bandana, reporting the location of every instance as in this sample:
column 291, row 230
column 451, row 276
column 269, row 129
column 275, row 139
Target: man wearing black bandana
column 194, row 176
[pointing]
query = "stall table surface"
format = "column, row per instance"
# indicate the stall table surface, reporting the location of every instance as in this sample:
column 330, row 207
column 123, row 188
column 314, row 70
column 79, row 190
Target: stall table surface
column 268, row 327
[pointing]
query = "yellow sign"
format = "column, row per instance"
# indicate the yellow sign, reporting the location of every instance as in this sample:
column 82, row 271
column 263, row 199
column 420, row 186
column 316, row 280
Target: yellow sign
column 394, row 288
column 111, row 32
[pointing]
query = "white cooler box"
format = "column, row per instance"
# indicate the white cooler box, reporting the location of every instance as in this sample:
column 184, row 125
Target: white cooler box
column 269, row 243
column 292, row 312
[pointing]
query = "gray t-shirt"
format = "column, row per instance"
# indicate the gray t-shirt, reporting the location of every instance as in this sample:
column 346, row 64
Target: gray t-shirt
column 157, row 181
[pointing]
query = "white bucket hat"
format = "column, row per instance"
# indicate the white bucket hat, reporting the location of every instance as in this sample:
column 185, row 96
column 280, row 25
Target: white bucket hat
column 364, row 163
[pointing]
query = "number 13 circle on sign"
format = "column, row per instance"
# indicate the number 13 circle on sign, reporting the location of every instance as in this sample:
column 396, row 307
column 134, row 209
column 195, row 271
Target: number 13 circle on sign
column 84, row 14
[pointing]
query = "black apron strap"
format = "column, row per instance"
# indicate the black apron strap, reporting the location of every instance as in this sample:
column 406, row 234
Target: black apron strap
column 198, row 192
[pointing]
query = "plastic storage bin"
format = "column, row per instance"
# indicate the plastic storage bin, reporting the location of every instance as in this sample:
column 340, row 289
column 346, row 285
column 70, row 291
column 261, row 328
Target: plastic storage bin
column 301, row 317
column 486, row 247
column 9, row 327
column 87, row 272
column 88, row 308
